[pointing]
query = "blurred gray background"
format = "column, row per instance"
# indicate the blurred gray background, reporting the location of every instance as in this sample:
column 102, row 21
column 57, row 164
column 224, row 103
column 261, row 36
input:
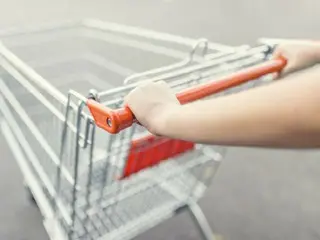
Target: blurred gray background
column 257, row 194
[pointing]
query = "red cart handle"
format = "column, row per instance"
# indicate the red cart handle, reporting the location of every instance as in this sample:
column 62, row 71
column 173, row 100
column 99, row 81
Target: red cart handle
column 115, row 120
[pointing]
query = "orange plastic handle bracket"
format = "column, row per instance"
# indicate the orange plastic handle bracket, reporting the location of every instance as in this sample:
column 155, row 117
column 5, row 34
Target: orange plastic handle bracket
column 115, row 120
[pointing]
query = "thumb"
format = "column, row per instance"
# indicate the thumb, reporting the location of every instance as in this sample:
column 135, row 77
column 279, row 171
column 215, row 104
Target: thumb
column 278, row 74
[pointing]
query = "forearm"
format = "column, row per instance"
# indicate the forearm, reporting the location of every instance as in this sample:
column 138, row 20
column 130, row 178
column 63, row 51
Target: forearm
column 282, row 114
column 316, row 54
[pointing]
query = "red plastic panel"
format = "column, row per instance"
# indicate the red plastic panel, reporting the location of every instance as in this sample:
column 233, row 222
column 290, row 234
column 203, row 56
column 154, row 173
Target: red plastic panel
column 150, row 151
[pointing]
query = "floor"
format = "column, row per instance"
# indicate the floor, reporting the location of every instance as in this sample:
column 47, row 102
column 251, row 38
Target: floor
column 257, row 194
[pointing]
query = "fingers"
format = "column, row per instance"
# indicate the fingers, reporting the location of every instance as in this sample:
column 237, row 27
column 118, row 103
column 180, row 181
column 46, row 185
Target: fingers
column 145, row 87
column 277, row 54
column 283, row 51
column 299, row 55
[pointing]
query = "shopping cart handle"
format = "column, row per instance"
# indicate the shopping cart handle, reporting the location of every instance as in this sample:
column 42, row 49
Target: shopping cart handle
column 115, row 120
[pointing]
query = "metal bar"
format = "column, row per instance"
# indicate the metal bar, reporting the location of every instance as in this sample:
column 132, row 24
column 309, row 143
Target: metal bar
column 171, row 67
column 89, row 180
column 143, row 186
column 207, row 64
column 155, row 35
column 30, row 178
column 190, row 79
column 32, row 158
column 29, row 123
column 24, row 82
column 105, row 175
column 43, row 100
column 150, row 219
column 144, row 46
column 29, row 29
column 32, row 75
column 52, row 226
column 200, row 221
column 62, row 147
column 75, row 173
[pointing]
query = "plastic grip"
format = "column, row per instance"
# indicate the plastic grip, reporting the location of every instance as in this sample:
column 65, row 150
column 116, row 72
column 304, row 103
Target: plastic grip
column 115, row 120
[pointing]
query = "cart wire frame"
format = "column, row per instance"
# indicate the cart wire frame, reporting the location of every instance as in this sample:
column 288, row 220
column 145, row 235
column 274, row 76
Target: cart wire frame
column 90, row 184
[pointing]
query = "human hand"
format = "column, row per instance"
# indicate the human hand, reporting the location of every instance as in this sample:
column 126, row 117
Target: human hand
column 152, row 103
column 300, row 55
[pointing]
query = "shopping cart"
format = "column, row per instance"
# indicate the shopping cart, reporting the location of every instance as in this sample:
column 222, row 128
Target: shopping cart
column 94, row 172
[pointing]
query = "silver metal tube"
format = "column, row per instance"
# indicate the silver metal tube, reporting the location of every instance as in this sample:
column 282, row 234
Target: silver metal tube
column 149, row 34
column 33, row 158
column 197, row 67
column 32, row 75
column 34, row 130
column 76, row 170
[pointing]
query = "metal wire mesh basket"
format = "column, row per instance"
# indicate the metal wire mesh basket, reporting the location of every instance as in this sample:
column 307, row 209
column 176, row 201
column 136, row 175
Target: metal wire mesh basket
column 90, row 184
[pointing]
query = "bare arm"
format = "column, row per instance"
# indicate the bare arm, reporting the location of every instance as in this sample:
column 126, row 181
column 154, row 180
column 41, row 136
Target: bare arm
column 282, row 114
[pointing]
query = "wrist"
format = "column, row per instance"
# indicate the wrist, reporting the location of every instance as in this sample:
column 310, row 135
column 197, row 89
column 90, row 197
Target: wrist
column 165, row 116
column 316, row 52
column 317, row 55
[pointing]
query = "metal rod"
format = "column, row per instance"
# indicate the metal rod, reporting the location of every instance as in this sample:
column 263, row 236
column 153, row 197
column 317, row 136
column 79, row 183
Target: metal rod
column 33, row 129
column 75, row 173
column 197, row 67
column 200, row 221
column 34, row 161
column 150, row 34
